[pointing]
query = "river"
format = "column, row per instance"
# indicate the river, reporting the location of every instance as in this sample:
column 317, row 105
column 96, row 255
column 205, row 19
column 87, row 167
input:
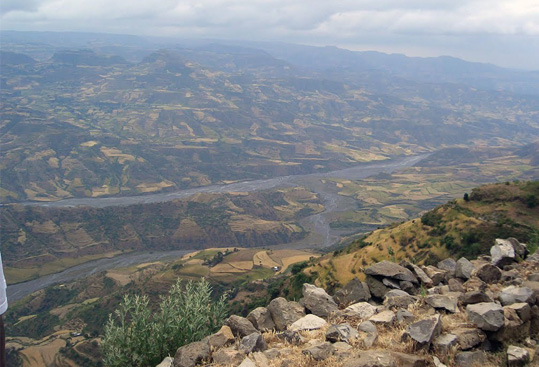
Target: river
column 320, row 233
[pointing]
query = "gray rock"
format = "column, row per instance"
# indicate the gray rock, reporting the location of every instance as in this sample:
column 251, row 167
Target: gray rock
column 247, row 362
column 341, row 332
column 390, row 283
column 362, row 310
column 372, row 359
column 489, row 273
column 387, row 269
column 253, row 343
column 240, row 326
column 398, row 299
column 464, row 268
column 291, row 337
column 521, row 249
column 342, row 350
column 470, row 359
column 523, row 311
column 284, row 313
column 437, row 362
column 385, row 317
column 474, row 283
column 221, row 338
column 320, row 352
column 511, row 277
column 487, row 316
column 442, row 302
column 260, row 359
column 444, row 342
column 376, row 287
column 468, row 338
column 408, row 287
column 189, row 355
column 502, row 253
column 308, row 322
column 261, row 319
column 455, row 285
column 517, row 357
column 418, row 272
column 368, row 333
column 475, row 297
column 437, row 275
column 533, row 277
column 228, row 356
column 167, row 362
column 409, row 360
column 424, row 331
column 448, row 265
column 405, row 316
column 318, row 301
column 514, row 294
column 353, row 292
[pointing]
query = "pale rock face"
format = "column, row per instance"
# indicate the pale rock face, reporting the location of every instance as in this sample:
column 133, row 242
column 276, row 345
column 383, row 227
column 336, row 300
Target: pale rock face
column 342, row 332
column 261, row 319
column 517, row 356
column 502, row 253
column 464, row 268
column 284, row 313
column 362, row 310
column 513, row 294
column 308, row 322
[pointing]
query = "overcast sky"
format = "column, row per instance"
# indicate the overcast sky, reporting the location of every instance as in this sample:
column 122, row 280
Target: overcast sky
column 503, row 32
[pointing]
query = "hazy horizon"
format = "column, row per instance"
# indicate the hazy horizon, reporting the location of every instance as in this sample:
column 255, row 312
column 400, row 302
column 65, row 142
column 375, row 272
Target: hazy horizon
column 500, row 32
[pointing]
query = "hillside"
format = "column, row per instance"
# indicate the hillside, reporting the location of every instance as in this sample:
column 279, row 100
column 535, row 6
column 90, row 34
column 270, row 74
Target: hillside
column 84, row 123
column 458, row 228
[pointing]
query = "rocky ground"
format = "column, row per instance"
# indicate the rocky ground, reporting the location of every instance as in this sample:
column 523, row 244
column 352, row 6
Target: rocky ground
column 461, row 313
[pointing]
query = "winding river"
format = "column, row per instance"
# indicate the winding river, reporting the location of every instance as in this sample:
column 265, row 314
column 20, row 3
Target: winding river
column 320, row 233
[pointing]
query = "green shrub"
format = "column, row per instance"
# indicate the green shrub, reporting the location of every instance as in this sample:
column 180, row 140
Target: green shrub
column 137, row 336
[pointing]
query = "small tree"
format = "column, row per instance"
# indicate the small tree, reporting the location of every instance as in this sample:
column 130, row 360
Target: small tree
column 466, row 197
column 138, row 337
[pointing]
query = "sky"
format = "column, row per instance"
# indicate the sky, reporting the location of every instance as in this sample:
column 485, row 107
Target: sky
column 502, row 32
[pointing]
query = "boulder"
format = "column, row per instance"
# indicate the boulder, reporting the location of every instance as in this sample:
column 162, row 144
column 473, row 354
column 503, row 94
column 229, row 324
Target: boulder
column 284, row 313
column 261, row 319
column 464, row 268
column 308, row 322
column 189, row 355
column 489, row 273
column 513, row 294
column 513, row 329
column 455, row 285
column 470, row 359
column 353, row 292
column 475, row 297
column 320, row 352
column 362, row 310
column 260, row 359
column 444, row 343
column 398, row 299
column 372, row 359
column 521, row 249
column 418, row 272
column 437, row 275
column 341, row 332
column 523, row 311
column 388, row 269
column 376, row 287
column 468, row 338
column 368, row 333
column 385, row 317
column 253, row 343
column 410, row 360
column 221, row 338
column 240, row 326
column 405, row 316
column 487, row 316
column 517, row 356
column 502, row 253
column 228, row 356
column 448, row 265
column 318, row 301
column 439, row 301
column 424, row 331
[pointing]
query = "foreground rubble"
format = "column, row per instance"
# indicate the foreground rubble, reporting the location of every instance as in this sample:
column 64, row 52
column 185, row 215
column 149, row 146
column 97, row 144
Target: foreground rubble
column 459, row 313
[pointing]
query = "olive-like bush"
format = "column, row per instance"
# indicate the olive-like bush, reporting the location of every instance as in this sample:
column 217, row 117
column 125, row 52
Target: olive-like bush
column 137, row 336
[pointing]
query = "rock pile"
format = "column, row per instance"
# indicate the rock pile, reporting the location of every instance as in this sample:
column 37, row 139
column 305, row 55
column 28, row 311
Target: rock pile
column 460, row 313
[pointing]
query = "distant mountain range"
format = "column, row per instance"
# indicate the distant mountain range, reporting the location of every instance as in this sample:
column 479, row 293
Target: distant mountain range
column 100, row 115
